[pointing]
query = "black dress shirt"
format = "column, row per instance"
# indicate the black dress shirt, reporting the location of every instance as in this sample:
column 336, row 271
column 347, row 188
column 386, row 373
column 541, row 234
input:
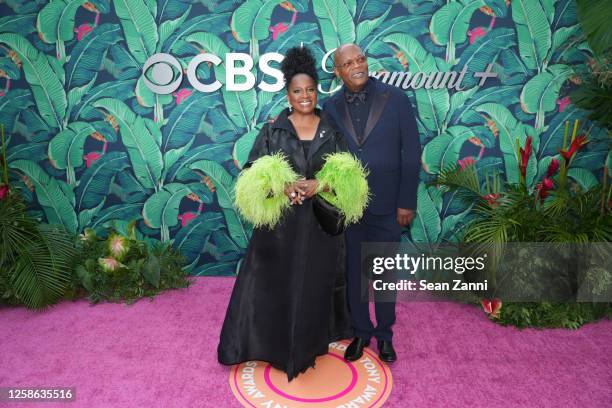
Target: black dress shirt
column 359, row 111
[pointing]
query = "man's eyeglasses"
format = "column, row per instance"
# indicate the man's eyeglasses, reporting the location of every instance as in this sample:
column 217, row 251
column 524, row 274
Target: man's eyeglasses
column 360, row 59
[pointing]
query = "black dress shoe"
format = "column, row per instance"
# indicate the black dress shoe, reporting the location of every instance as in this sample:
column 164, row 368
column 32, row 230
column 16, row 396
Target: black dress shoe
column 355, row 350
column 386, row 351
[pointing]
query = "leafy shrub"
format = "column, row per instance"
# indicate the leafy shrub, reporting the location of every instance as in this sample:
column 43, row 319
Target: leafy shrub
column 35, row 259
column 125, row 268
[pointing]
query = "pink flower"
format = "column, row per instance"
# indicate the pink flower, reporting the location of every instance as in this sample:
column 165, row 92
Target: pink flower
column 181, row 95
column 544, row 187
column 4, row 189
column 278, row 29
column 492, row 198
column 563, row 102
column 1, row 93
column 186, row 217
column 109, row 264
column 491, row 307
column 552, row 167
column 82, row 30
column 91, row 158
column 467, row 161
column 118, row 246
column 476, row 33
column 547, row 183
column 577, row 144
column 525, row 153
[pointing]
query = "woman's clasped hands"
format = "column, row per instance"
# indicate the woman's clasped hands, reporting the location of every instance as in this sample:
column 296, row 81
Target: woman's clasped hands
column 300, row 190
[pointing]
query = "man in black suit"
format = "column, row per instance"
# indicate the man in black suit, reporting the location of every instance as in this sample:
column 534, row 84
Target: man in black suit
column 380, row 128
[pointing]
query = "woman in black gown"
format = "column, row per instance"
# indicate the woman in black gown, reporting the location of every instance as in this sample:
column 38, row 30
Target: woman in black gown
column 288, row 301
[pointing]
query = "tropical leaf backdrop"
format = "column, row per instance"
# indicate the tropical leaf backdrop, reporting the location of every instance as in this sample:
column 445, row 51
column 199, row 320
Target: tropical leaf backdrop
column 92, row 147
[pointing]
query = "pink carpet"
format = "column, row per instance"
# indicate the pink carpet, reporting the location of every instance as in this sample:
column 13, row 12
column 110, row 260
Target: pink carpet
column 161, row 353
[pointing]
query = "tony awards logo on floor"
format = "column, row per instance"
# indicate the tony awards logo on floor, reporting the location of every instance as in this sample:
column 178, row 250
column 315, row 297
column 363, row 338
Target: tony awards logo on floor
column 333, row 382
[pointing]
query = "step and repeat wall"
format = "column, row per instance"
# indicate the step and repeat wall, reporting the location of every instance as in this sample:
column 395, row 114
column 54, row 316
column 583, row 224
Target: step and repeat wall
column 95, row 143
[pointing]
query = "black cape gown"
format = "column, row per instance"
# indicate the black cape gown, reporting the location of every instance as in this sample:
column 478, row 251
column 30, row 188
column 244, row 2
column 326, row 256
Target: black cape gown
column 289, row 298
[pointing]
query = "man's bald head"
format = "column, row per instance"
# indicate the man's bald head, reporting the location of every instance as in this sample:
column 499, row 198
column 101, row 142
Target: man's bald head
column 343, row 48
column 351, row 66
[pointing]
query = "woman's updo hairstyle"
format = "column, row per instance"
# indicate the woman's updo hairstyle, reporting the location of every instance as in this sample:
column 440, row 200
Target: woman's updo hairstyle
column 299, row 60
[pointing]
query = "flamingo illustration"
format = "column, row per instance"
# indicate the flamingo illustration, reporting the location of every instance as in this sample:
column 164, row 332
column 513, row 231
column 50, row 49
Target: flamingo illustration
column 479, row 32
column 278, row 29
column 82, row 30
column 563, row 102
column 182, row 95
column 186, row 217
column 91, row 158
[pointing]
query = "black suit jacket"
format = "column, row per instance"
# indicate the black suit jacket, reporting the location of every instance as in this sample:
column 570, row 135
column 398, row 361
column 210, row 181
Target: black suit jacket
column 390, row 146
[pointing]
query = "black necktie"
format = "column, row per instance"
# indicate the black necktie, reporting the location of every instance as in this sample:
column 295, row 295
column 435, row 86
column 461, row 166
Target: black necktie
column 352, row 97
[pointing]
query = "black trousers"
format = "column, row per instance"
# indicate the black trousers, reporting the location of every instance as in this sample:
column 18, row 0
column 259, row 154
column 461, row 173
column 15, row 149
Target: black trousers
column 371, row 228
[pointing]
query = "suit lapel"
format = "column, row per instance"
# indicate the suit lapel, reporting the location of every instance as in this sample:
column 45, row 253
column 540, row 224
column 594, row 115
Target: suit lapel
column 376, row 110
column 345, row 116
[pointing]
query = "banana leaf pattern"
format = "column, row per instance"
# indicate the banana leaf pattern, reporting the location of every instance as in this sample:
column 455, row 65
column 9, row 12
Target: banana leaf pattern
column 92, row 147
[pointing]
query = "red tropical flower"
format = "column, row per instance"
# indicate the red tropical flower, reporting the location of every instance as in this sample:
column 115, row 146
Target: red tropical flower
column 467, row 161
column 492, row 198
column 4, row 189
column 577, row 144
column 525, row 153
column 544, row 187
column 548, row 183
column 491, row 307
column 552, row 167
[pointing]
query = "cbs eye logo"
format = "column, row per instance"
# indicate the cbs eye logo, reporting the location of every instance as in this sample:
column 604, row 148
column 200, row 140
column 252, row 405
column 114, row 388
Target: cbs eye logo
column 166, row 73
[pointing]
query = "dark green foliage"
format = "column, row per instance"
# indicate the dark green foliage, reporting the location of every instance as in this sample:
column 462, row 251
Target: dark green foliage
column 574, row 215
column 595, row 95
column 35, row 259
column 514, row 213
column 551, row 315
column 595, row 92
column 594, row 17
column 140, row 271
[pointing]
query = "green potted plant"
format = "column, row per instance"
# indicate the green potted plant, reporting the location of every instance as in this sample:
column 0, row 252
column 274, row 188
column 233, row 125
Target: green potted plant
column 125, row 267
column 554, row 210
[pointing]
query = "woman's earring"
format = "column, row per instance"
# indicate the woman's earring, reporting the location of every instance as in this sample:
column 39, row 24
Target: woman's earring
column 290, row 108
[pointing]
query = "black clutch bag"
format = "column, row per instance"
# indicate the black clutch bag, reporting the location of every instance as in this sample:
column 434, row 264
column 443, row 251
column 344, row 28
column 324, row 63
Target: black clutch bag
column 330, row 217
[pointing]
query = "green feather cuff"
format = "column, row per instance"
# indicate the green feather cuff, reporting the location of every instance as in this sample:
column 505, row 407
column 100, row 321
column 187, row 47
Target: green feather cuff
column 260, row 190
column 346, row 178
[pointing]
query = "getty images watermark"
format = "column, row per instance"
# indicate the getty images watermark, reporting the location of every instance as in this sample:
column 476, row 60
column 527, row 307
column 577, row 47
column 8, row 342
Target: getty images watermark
column 163, row 67
column 514, row 271
column 411, row 264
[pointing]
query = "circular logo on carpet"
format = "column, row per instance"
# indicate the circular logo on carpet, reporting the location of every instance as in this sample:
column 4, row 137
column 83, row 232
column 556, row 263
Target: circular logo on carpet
column 334, row 382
